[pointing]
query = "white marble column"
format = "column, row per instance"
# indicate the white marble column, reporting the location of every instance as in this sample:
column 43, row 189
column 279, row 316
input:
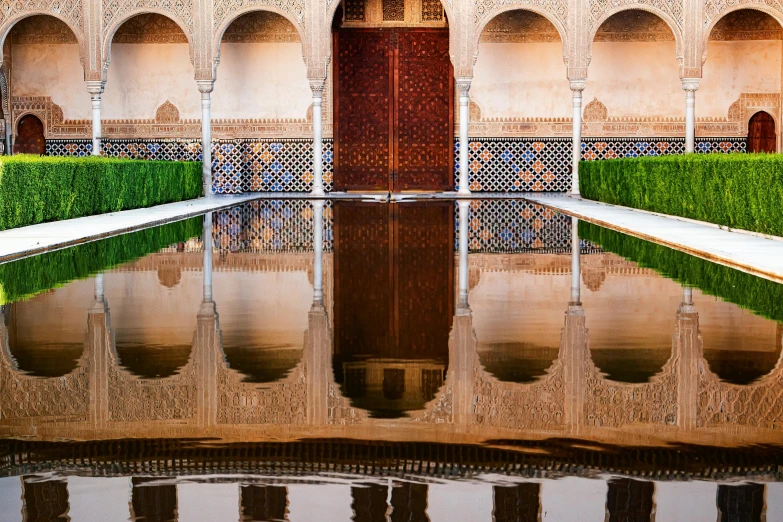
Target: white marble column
column 577, row 86
column 318, row 253
column 463, row 87
column 318, row 137
column 690, row 86
column 96, row 91
column 463, row 307
column 206, row 242
column 99, row 287
column 576, row 253
column 205, row 88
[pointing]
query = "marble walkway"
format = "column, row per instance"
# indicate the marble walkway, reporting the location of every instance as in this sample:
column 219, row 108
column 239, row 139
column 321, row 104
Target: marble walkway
column 753, row 253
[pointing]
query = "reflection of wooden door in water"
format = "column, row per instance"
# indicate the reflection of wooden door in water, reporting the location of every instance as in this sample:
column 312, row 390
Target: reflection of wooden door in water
column 761, row 133
column 393, row 109
column 29, row 136
column 393, row 296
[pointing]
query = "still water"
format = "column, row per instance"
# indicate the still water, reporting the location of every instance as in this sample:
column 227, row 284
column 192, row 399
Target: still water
column 289, row 360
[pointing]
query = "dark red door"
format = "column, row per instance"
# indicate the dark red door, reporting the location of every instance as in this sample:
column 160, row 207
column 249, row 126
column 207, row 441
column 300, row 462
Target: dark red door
column 30, row 136
column 394, row 92
column 761, row 133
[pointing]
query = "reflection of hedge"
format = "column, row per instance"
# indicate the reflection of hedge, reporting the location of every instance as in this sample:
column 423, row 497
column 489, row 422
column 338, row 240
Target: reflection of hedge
column 36, row 189
column 30, row 276
column 759, row 295
column 736, row 190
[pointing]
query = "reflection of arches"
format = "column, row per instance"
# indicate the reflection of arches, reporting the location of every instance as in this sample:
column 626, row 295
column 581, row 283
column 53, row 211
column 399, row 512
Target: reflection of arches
column 262, row 363
column 630, row 500
column 761, row 133
column 744, row 367
column 263, row 503
column 153, row 503
column 517, row 362
column 741, row 502
column 151, row 361
column 630, row 365
column 44, row 500
column 517, row 503
column 30, row 136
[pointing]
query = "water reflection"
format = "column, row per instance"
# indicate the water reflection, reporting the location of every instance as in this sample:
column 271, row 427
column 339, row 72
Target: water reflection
column 381, row 352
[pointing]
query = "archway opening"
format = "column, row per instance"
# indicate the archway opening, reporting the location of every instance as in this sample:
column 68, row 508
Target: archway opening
column 150, row 69
column 761, row 133
column 634, row 74
column 152, row 361
column 30, row 137
column 517, row 362
column 41, row 60
column 742, row 76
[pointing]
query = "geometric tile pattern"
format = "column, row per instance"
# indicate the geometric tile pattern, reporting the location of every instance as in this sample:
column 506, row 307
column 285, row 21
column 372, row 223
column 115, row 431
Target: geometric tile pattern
column 266, row 165
column 269, row 226
column 496, row 164
column 544, row 164
column 514, row 226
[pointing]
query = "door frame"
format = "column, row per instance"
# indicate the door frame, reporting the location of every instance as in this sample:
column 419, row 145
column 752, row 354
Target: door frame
column 393, row 107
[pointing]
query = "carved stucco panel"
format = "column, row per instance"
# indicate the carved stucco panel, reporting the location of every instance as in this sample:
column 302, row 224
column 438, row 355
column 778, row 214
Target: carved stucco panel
column 228, row 9
column 714, row 9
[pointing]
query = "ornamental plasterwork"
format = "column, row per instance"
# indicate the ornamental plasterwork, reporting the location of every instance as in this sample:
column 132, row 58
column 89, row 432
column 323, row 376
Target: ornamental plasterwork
column 673, row 10
column 715, row 8
column 597, row 122
column 227, row 9
column 69, row 10
column 486, row 10
column 390, row 13
column 149, row 28
column 746, row 24
column 115, row 12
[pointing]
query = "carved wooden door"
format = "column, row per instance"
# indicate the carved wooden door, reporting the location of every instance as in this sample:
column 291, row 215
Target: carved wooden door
column 761, row 133
column 393, row 97
column 30, row 136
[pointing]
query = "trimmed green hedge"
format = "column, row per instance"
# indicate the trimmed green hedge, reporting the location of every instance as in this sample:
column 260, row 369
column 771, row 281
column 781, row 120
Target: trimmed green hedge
column 736, row 190
column 23, row 279
column 758, row 295
column 36, row 189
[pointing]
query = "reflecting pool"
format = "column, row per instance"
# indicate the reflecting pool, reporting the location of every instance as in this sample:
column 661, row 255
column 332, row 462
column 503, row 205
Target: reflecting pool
column 419, row 361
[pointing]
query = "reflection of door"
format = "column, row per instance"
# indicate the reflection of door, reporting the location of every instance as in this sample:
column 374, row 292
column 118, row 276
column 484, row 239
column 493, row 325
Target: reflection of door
column 393, row 302
column 761, row 133
column 30, row 136
column 394, row 93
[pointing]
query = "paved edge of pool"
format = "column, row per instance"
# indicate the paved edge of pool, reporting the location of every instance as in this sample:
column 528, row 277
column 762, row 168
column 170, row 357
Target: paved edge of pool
column 752, row 253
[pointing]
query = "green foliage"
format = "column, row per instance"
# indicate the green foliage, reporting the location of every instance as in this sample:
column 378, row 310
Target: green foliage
column 36, row 189
column 761, row 296
column 735, row 190
column 27, row 277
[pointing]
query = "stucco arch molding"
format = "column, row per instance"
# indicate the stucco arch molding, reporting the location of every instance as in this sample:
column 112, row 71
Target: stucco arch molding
column 714, row 11
column 8, row 22
column 555, row 11
column 672, row 17
column 185, row 24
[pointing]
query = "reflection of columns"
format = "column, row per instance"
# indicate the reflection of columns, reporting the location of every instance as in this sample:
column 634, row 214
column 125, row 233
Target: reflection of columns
column 318, row 251
column 576, row 269
column 577, row 86
column 690, row 85
column 99, row 345
column 463, row 86
column 317, row 86
column 205, row 87
column 96, row 90
column 463, row 307
column 207, row 347
column 573, row 342
column 687, row 350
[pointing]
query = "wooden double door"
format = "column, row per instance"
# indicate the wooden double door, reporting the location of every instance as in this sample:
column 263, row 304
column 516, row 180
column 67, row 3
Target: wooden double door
column 394, row 109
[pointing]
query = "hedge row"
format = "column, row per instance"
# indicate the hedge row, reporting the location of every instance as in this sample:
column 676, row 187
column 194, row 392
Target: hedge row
column 756, row 294
column 23, row 279
column 36, row 189
column 736, row 190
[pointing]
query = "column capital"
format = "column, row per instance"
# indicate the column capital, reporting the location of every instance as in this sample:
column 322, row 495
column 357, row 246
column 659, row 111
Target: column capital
column 95, row 86
column 205, row 86
column 317, row 86
column 578, row 85
column 463, row 86
column 690, row 84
